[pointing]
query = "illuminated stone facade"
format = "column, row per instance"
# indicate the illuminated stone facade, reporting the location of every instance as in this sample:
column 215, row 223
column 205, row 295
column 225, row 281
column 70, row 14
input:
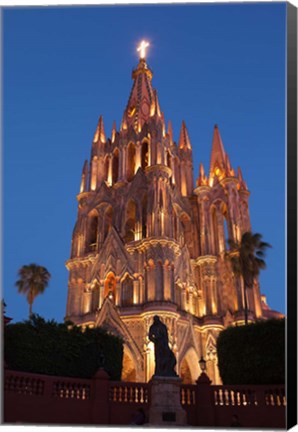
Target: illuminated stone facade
column 148, row 242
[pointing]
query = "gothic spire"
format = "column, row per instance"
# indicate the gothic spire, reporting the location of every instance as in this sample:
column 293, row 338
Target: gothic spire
column 218, row 155
column 84, row 180
column 170, row 131
column 142, row 102
column 114, row 130
column 184, row 141
column 156, row 104
column 229, row 170
column 141, row 97
column 242, row 183
column 202, row 179
column 100, row 132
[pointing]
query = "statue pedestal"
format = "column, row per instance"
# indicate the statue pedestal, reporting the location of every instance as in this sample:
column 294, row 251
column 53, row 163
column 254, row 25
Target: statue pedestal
column 165, row 408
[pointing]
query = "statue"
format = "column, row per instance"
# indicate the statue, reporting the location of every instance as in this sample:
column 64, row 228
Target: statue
column 165, row 360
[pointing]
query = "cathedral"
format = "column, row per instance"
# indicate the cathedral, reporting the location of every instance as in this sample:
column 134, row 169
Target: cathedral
column 147, row 241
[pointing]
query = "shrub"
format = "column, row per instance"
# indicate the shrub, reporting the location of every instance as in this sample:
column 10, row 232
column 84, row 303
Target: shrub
column 253, row 354
column 52, row 348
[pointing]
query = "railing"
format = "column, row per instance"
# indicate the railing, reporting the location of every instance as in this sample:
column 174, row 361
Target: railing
column 24, row 384
column 233, row 396
column 275, row 397
column 44, row 385
column 100, row 401
column 71, row 390
column 133, row 393
column 248, row 396
column 188, row 394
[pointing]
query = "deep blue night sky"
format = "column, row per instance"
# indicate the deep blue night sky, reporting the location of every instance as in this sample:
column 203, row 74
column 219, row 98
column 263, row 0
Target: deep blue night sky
column 63, row 67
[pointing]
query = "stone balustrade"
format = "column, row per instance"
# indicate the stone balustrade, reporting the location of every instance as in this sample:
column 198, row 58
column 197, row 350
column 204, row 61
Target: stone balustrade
column 36, row 398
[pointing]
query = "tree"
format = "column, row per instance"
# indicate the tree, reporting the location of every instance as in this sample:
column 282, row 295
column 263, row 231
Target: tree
column 33, row 280
column 247, row 259
column 62, row 349
column 253, row 354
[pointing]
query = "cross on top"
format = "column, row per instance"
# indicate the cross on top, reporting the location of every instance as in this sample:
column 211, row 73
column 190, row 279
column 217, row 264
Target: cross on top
column 142, row 48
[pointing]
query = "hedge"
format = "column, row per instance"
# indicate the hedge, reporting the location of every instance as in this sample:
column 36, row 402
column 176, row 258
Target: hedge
column 253, row 354
column 52, row 348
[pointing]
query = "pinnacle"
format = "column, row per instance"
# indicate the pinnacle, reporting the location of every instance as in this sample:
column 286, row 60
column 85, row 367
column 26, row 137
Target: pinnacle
column 114, row 130
column 170, row 131
column 85, row 167
column 218, row 155
column 184, row 141
column 243, row 184
column 202, row 179
column 156, row 103
column 142, row 100
column 100, row 132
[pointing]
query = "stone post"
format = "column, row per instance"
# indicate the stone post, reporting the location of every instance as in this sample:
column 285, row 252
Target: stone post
column 100, row 398
column 205, row 403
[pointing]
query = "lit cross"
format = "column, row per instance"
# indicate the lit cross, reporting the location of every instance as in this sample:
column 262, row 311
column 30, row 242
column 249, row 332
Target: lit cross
column 142, row 48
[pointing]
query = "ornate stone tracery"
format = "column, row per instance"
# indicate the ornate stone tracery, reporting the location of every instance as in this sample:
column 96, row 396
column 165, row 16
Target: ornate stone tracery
column 146, row 242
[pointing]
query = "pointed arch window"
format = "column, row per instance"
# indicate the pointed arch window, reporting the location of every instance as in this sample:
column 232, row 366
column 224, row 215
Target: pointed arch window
column 144, row 217
column 115, row 166
column 169, row 159
column 130, row 222
column 108, row 220
column 215, row 230
column 131, row 161
column 110, row 286
column 186, row 228
column 106, row 168
column 177, row 171
column 145, row 155
column 178, row 295
column 127, row 291
column 161, row 198
column 226, row 230
column 92, row 233
column 95, row 296
column 175, row 227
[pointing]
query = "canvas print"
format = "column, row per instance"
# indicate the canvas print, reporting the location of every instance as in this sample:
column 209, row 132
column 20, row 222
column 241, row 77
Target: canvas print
column 144, row 215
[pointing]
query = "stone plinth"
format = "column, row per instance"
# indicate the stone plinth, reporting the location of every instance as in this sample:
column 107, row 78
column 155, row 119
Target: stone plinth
column 165, row 408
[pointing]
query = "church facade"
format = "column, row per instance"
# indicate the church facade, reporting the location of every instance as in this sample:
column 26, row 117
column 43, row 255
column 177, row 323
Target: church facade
column 147, row 241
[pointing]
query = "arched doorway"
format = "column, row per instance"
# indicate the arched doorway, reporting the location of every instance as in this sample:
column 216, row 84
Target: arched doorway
column 189, row 367
column 185, row 373
column 128, row 367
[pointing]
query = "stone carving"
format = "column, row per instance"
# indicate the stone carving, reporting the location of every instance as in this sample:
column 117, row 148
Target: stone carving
column 165, row 360
column 142, row 164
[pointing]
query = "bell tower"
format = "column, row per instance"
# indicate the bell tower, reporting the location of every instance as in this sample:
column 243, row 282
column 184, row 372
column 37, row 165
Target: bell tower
column 147, row 242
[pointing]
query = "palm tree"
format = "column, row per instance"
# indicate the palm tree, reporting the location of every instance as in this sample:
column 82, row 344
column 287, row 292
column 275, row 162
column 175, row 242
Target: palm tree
column 247, row 259
column 33, row 280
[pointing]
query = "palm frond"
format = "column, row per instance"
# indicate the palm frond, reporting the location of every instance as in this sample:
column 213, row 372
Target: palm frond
column 33, row 280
